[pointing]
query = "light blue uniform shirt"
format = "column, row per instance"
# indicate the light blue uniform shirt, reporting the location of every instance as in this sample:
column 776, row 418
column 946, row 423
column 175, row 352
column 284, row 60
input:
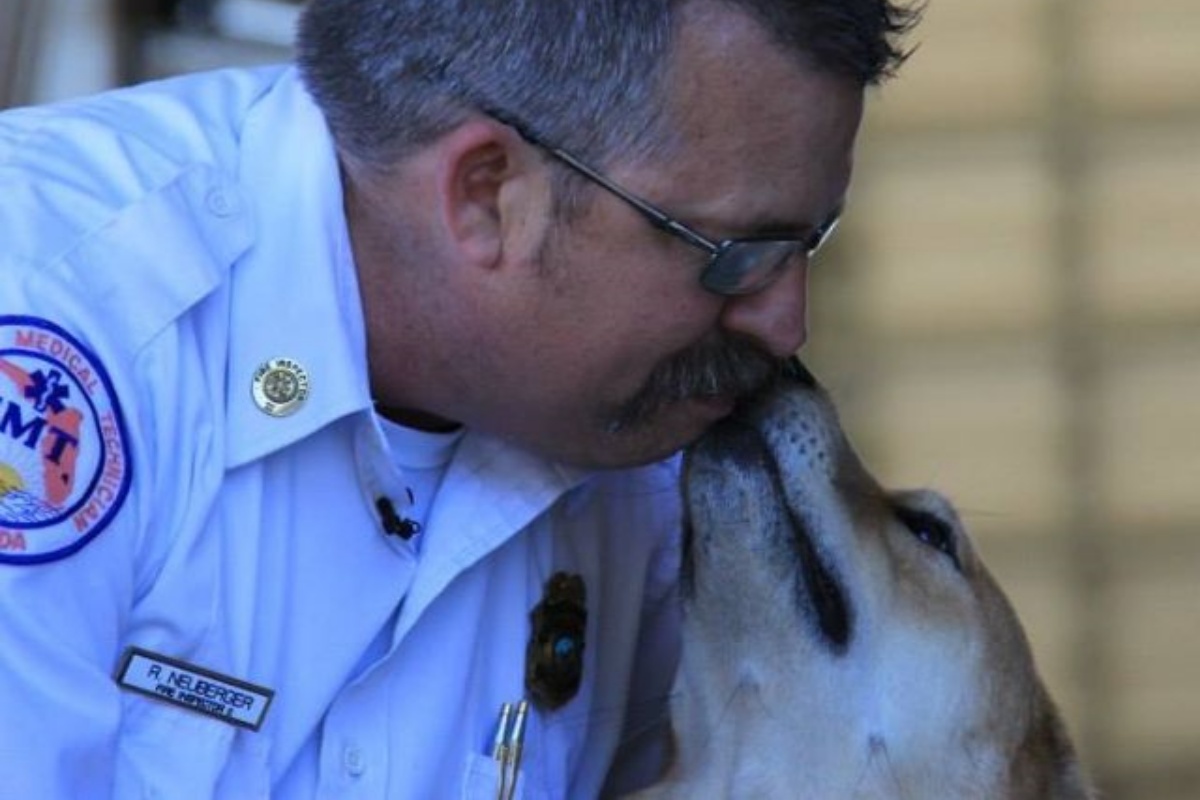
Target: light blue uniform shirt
column 157, row 246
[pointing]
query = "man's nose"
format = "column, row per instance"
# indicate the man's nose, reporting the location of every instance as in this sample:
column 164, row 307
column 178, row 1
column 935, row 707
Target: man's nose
column 777, row 316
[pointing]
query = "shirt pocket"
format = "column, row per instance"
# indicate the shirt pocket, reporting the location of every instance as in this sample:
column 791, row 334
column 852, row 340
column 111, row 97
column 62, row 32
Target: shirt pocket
column 481, row 781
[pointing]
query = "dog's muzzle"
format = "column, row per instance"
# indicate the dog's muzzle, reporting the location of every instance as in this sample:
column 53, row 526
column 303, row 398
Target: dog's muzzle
column 738, row 447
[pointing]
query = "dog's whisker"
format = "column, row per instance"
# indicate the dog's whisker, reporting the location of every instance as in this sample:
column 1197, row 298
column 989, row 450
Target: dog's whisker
column 728, row 707
column 656, row 720
column 889, row 767
column 879, row 759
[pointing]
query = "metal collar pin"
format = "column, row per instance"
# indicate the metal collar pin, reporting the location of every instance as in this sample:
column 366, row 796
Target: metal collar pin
column 280, row 387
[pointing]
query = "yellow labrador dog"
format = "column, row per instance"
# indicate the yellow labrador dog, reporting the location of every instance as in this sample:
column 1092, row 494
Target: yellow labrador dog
column 844, row 642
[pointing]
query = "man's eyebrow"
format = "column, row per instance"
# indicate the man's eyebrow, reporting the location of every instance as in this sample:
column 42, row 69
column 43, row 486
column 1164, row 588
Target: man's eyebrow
column 782, row 226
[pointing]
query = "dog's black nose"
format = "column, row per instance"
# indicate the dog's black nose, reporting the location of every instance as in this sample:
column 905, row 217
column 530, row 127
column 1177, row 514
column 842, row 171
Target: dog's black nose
column 794, row 370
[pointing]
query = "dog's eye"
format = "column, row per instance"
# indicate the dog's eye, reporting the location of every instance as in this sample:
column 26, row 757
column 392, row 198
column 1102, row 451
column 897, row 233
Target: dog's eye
column 930, row 530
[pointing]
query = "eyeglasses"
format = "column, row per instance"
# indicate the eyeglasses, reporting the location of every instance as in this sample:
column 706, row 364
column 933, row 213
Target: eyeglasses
column 735, row 266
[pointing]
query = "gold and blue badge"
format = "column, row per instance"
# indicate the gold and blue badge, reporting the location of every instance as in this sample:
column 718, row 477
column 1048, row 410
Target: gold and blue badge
column 554, row 654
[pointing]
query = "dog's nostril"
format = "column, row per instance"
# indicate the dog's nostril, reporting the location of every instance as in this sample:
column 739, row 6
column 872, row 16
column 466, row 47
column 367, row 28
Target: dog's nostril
column 731, row 442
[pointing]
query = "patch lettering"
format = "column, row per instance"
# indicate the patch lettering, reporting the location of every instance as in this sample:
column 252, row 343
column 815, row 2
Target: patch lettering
column 194, row 688
column 64, row 457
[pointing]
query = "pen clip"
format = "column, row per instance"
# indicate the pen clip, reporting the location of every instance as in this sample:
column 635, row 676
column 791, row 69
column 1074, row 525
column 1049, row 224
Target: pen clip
column 508, row 747
column 516, row 742
column 500, row 742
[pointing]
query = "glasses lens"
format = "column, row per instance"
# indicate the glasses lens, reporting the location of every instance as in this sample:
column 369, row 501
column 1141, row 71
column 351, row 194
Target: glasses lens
column 747, row 265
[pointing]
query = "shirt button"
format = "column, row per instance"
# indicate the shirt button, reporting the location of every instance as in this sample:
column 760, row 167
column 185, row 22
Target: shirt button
column 221, row 204
column 354, row 762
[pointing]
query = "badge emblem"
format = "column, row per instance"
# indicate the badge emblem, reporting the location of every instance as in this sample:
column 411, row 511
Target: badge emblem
column 280, row 387
column 554, row 655
column 64, row 451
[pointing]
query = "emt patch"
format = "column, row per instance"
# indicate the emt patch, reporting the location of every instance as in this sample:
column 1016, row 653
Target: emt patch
column 201, row 690
column 64, row 456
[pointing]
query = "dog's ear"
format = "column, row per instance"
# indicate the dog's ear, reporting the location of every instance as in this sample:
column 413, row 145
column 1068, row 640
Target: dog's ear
column 1046, row 766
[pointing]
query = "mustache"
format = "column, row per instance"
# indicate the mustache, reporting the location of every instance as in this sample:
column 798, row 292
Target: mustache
column 725, row 367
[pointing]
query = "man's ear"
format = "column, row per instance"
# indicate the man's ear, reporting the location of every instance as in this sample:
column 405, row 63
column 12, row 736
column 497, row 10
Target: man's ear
column 492, row 193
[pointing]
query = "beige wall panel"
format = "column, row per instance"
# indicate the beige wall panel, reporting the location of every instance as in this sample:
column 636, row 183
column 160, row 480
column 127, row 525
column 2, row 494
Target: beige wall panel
column 978, row 61
column 1142, row 56
column 1156, row 650
column 984, row 431
column 1143, row 229
column 1037, row 584
column 1150, row 447
column 965, row 247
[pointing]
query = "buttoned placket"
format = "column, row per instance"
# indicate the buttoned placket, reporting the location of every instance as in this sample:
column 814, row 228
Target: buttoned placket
column 353, row 758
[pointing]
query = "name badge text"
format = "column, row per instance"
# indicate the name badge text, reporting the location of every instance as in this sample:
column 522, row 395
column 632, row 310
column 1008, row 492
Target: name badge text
column 173, row 681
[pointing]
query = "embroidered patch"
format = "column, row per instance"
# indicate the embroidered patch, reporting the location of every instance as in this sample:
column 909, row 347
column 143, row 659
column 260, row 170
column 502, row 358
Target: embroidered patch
column 64, row 455
column 194, row 688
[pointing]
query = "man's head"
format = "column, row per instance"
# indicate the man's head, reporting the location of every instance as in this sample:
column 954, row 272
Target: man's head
column 500, row 157
column 393, row 75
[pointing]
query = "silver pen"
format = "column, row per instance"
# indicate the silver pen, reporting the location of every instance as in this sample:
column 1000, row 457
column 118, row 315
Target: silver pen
column 508, row 747
column 500, row 750
column 516, row 747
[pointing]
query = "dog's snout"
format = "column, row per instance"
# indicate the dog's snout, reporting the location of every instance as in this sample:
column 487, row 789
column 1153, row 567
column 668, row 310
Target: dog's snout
column 732, row 442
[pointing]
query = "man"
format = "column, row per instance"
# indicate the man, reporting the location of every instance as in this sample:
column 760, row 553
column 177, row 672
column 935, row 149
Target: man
column 334, row 403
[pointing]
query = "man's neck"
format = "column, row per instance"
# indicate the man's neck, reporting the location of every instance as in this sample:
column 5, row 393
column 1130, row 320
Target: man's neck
column 420, row 420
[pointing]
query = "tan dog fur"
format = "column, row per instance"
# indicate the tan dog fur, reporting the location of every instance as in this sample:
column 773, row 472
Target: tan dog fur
column 918, row 685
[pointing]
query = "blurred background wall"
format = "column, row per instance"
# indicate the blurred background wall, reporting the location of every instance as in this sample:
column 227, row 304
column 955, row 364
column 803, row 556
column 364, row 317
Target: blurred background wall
column 1013, row 315
column 1011, row 312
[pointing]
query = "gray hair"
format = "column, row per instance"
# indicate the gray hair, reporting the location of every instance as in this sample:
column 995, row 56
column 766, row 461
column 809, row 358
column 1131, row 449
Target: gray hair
column 393, row 75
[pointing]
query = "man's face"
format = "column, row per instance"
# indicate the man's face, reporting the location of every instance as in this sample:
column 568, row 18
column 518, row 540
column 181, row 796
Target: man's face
column 620, row 355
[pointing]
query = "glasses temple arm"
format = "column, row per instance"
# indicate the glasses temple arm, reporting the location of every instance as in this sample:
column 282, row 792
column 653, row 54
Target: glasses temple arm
column 655, row 216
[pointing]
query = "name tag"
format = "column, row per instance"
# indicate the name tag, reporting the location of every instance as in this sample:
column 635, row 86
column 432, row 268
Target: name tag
column 194, row 688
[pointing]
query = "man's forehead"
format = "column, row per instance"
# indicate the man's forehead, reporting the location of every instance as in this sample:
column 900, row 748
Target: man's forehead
column 731, row 88
column 789, row 172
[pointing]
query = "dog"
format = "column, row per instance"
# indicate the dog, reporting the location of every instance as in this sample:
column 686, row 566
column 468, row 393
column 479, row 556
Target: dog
column 841, row 641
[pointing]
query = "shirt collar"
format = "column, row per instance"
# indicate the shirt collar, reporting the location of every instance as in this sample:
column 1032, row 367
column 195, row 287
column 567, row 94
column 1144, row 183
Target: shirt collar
column 295, row 294
column 296, row 297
